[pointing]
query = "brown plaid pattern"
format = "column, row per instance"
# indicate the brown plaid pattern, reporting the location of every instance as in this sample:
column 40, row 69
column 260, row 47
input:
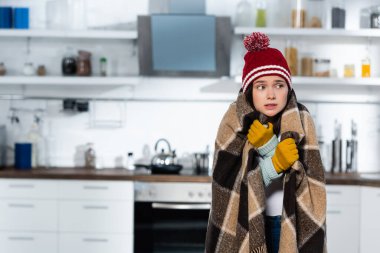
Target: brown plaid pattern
column 236, row 222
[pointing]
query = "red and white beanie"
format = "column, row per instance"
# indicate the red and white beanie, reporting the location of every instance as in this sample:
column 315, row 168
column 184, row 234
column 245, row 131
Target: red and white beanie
column 261, row 60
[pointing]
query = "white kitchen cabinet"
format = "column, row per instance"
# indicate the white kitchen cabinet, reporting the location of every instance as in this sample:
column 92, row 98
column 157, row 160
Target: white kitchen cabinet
column 370, row 219
column 343, row 218
column 23, row 242
column 48, row 216
column 95, row 216
column 95, row 243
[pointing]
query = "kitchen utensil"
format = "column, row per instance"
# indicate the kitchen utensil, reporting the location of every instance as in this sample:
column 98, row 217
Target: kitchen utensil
column 201, row 162
column 165, row 162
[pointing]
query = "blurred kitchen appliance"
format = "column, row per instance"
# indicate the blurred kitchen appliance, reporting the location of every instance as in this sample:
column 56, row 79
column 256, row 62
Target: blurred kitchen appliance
column 177, row 6
column 171, row 217
column 167, row 46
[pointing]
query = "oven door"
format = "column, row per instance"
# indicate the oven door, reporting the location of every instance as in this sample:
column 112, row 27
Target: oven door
column 170, row 227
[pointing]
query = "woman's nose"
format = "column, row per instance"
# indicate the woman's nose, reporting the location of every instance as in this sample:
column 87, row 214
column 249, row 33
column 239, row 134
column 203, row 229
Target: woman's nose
column 270, row 93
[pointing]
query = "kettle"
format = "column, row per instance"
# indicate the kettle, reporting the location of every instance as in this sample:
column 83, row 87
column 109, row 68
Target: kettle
column 163, row 158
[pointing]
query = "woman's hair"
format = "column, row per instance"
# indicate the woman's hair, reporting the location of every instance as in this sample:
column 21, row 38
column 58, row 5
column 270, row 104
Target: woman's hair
column 276, row 120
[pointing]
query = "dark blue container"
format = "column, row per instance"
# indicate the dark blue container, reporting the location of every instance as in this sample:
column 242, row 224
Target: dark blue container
column 21, row 18
column 23, row 156
column 5, row 17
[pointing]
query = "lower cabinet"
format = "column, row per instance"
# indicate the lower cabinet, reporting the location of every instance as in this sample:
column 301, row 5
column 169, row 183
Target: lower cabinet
column 95, row 243
column 343, row 219
column 61, row 216
column 370, row 222
column 22, row 242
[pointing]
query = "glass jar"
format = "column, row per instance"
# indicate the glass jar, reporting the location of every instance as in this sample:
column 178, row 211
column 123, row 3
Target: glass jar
column 338, row 14
column 316, row 13
column 322, row 67
column 3, row 70
column 291, row 56
column 307, row 65
column 84, row 63
column 261, row 13
column 244, row 14
column 375, row 17
column 298, row 13
column 69, row 63
column 41, row 70
column 349, row 70
column 28, row 69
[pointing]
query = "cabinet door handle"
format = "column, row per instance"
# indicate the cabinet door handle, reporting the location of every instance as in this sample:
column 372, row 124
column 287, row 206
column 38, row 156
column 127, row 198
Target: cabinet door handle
column 334, row 212
column 334, row 192
column 20, row 205
column 91, row 240
column 22, row 186
column 95, row 187
column 96, row 207
column 20, row 238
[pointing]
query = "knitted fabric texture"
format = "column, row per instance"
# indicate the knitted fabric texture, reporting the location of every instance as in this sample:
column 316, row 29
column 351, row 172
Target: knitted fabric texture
column 236, row 222
column 261, row 60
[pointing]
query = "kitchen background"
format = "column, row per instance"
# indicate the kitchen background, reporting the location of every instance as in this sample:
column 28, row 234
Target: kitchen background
column 132, row 115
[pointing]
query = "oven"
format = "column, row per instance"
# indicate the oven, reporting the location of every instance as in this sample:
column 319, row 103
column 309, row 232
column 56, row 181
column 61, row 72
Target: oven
column 171, row 217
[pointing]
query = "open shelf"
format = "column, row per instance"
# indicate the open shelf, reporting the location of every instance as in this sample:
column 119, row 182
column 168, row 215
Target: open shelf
column 68, row 34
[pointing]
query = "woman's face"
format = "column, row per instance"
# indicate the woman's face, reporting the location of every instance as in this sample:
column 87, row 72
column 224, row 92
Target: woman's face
column 270, row 95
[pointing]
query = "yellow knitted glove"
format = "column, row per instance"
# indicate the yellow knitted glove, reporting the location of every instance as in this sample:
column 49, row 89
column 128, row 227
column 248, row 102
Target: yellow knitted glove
column 285, row 155
column 258, row 135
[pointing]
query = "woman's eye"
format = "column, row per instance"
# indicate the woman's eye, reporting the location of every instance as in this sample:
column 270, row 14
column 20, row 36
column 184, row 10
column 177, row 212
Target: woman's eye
column 260, row 87
column 279, row 85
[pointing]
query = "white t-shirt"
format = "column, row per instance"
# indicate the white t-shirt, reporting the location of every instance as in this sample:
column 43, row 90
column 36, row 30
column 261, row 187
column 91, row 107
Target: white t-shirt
column 274, row 197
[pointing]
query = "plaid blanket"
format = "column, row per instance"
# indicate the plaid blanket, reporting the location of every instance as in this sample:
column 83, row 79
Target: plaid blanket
column 236, row 222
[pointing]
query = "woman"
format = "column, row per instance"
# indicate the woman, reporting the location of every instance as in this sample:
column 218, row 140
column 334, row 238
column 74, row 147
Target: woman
column 268, row 190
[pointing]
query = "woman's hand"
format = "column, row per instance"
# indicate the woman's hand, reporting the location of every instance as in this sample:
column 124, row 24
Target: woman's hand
column 258, row 135
column 285, row 155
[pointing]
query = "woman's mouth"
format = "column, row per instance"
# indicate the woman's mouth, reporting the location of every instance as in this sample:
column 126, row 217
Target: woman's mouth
column 270, row 106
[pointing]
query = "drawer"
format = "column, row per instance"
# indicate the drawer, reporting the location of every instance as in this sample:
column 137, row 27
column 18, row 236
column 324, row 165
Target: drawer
column 96, row 216
column 90, row 189
column 28, row 188
column 28, row 215
column 342, row 195
column 28, row 242
column 370, row 207
column 95, row 243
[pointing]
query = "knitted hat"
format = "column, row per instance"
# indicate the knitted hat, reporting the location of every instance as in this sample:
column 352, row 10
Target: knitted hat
column 261, row 60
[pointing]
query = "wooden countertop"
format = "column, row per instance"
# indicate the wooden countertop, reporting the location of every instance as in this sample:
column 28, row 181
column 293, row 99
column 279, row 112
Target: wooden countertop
column 363, row 179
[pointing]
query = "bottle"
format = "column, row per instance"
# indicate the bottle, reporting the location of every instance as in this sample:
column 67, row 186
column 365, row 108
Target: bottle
column 130, row 161
column 34, row 136
column 103, row 66
column 244, row 14
column 90, row 156
column 261, row 14
column 84, row 63
column 366, row 67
